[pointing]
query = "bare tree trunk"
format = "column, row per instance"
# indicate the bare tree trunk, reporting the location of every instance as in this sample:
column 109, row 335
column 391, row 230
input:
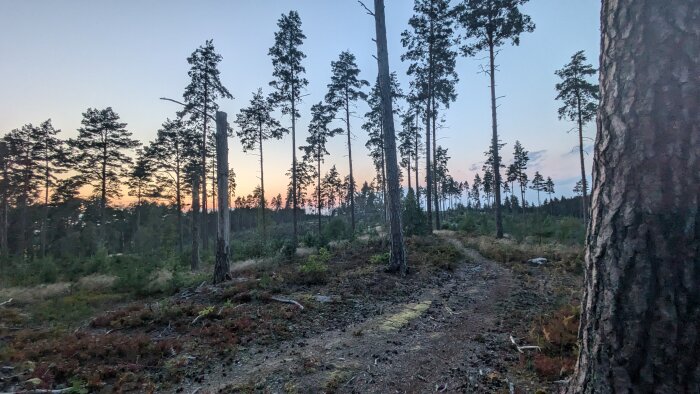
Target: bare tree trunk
column 318, row 191
column 203, row 216
column 194, row 258
column 435, row 183
column 640, row 313
column 494, row 143
column 262, row 183
column 584, row 183
column 397, row 261
column 223, row 226
column 178, row 205
column 416, row 166
column 45, row 217
column 428, row 169
column 351, row 187
column 294, row 166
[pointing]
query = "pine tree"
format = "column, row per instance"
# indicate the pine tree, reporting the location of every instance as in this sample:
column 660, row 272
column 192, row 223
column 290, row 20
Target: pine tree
column 343, row 91
column 101, row 158
column 332, row 188
column 397, row 255
column 476, row 191
column 640, row 309
column 51, row 158
column 580, row 99
column 140, row 181
column 21, row 181
column 289, row 81
column 429, row 48
column 170, row 154
column 375, row 131
column 407, row 146
column 539, row 185
column 257, row 125
column 520, row 159
column 319, row 133
column 200, row 96
column 488, row 25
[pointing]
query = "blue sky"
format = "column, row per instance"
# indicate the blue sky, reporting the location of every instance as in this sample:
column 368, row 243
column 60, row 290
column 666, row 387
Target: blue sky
column 61, row 57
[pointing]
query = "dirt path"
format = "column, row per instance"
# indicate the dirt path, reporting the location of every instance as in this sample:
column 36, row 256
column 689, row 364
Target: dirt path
column 451, row 337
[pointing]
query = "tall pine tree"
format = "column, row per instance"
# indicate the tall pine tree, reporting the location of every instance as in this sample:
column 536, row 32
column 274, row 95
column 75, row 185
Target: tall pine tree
column 200, row 96
column 488, row 25
column 289, row 81
column 580, row 99
column 101, row 146
column 343, row 91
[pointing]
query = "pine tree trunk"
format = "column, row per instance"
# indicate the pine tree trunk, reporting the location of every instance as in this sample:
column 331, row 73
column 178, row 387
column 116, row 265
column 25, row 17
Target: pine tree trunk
column 194, row 257
column 262, row 183
column 584, row 184
column 428, row 169
column 494, row 144
column 641, row 303
column 203, row 215
column 178, row 205
column 416, row 166
column 397, row 261
column 223, row 226
column 103, row 198
column 45, row 217
column 351, row 187
column 435, row 182
column 294, row 167
column 318, row 191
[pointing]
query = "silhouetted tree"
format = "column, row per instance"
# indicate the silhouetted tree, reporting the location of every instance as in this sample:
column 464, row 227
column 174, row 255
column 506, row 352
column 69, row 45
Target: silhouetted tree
column 101, row 158
column 257, row 125
column 430, row 50
column 488, row 25
column 319, row 133
column 200, row 96
column 520, row 159
column 343, row 91
column 51, row 158
column 140, row 181
column 539, row 185
column 289, row 81
column 580, row 99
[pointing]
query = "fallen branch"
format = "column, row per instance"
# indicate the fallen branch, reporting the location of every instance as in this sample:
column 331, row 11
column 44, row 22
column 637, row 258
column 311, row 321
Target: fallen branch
column 6, row 302
column 526, row 347
column 287, row 301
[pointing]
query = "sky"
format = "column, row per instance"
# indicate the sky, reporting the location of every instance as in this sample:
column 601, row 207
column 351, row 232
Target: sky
column 61, row 57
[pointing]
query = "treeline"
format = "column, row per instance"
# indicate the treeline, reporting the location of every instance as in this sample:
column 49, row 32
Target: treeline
column 58, row 194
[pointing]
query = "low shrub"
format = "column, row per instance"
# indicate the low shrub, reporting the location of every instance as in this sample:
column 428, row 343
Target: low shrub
column 315, row 269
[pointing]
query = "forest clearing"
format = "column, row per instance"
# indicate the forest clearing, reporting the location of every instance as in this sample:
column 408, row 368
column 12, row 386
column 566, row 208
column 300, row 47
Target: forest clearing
column 522, row 215
column 449, row 327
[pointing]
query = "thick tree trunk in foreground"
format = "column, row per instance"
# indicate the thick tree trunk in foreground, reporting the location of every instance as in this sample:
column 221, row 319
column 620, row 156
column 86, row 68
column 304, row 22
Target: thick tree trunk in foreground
column 640, row 320
column 194, row 258
column 223, row 225
column 397, row 261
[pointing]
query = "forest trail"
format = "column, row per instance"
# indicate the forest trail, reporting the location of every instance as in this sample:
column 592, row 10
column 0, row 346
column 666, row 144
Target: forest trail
column 452, row 336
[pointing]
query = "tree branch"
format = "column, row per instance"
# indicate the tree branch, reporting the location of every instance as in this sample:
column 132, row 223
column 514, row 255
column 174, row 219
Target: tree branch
column 369, row 12
column 183, row 104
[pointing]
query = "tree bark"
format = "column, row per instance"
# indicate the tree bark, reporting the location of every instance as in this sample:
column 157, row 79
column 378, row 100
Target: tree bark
column 294, row 165
column 416, row 166
column 397, row 260
column 641, row 303
column 428, row 170
column 223, row 226
column 194, row 258
column 494, row 143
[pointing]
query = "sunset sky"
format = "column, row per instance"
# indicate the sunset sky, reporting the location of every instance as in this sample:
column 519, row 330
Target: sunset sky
column 61, row 57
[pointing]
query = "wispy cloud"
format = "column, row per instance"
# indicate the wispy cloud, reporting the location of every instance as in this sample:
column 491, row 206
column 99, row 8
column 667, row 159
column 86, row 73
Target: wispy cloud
column 536, row 156
column 587, row 149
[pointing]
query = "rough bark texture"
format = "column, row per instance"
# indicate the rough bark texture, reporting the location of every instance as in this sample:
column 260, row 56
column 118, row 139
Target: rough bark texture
column 223, row 225
column 428, row 169
column 203, row 215
column 194, row 257
column 351, row 186
column 641, row 307
column 397, row 261
column 436, row 195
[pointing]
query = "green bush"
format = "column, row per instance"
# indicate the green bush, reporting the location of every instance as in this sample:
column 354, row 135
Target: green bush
column 336, row 229
column 380, row 258
column 414, row 221
column 315, row 269
column 288, row 251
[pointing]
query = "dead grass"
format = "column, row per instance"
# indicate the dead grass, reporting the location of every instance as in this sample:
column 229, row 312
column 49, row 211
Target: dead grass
column 511, row 251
